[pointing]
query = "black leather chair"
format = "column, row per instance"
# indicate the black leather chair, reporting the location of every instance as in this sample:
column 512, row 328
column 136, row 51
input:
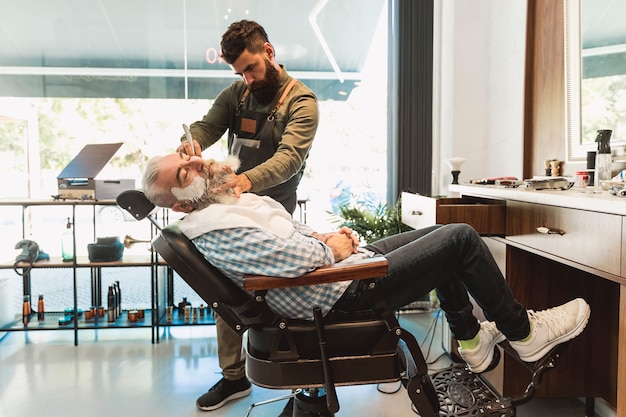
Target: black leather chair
column 313, row 357
column 309, row 357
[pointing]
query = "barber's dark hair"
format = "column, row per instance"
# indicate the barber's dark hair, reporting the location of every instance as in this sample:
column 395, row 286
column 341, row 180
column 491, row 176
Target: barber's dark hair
column 242, row 35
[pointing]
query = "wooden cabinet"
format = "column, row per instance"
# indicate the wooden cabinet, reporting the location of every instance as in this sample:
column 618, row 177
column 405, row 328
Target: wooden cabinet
column 486, row 216
column 580, row 257
column 586, row 237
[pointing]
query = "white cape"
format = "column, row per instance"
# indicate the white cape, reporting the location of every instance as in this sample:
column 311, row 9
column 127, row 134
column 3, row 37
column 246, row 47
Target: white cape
column 250, row 210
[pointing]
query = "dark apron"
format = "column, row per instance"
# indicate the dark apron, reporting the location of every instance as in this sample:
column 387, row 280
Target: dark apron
column 251, row 139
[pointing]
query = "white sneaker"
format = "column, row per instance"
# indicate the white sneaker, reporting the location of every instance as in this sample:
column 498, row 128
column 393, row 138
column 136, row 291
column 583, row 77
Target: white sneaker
column 551, row 327
column 479, row 359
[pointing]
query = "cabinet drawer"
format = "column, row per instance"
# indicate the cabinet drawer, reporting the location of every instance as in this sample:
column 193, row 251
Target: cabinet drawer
column 589, row 238
column 485, row 215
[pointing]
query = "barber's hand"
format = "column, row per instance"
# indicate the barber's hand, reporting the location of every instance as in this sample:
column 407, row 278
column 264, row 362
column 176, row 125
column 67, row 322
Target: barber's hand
column 239, row 184
column 186, row 148
column 341, row 245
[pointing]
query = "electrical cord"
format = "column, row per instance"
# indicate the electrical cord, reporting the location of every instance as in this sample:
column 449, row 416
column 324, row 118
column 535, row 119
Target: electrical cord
column 428, row 340
column 383, row 388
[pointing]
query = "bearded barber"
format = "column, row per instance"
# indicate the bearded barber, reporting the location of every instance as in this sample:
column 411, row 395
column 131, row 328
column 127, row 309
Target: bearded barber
column 271, row 119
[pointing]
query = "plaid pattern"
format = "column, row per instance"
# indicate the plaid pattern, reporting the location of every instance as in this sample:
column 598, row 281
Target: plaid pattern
column 241, row 251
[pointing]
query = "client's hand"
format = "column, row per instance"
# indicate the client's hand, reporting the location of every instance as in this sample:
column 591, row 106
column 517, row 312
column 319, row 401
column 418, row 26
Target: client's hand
column 341, row 244
column 348, row 232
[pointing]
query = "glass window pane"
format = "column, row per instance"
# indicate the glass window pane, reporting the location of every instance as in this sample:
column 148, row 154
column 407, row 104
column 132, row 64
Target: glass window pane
column 97, row 72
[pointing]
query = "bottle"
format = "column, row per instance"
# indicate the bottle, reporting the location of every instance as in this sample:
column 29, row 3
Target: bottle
column 603, row 157
column 182, row 304
column 26, row 310
column 187, row 313
column 119, row 298
column 40, row 309
column 67, row 242
column 114, row 306
column 110, row 305
column 591, row 166
column 169, row 312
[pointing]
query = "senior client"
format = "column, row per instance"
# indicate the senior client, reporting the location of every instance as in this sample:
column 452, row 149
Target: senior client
column 250, row 234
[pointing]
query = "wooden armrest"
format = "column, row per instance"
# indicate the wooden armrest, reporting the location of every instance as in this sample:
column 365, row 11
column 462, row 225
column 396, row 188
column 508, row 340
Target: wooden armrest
column 361, row 269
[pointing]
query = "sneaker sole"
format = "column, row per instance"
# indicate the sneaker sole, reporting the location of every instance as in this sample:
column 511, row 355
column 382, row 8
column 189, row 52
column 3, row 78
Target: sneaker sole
column 535, row 356
column 236, row 395
column 485, row 364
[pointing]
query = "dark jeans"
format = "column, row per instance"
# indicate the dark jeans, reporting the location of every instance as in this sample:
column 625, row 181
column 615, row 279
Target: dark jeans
column 454, row 260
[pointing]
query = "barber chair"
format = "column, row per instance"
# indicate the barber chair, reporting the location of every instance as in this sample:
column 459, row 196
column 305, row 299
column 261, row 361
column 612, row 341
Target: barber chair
column 311, row 358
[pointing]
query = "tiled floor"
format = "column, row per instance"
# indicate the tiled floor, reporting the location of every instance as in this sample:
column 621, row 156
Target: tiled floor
column 120, row 373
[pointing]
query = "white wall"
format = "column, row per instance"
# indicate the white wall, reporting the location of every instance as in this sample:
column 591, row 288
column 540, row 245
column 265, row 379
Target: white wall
column 479, row 83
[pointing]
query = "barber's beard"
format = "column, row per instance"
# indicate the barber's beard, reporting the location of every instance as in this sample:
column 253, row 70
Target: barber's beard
column 265, row 91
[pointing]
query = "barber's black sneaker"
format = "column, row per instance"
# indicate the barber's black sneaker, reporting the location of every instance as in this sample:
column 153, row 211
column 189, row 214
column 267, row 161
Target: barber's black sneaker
column 223, row 392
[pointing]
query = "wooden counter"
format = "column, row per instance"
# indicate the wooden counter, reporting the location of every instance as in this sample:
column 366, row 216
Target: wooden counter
column 583, row 255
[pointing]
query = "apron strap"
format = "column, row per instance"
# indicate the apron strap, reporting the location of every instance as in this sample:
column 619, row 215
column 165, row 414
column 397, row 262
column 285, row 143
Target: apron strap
column 242, row 100
column 245, row 94
column 282, row 98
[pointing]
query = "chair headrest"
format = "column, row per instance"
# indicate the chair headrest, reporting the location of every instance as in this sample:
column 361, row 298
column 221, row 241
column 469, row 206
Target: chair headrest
column 136, row 203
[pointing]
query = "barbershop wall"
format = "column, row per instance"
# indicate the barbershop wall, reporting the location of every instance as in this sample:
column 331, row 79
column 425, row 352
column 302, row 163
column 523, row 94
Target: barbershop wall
column 479, row 77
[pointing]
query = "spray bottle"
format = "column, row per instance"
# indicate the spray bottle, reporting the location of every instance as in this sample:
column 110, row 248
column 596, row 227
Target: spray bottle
column 603, row 157
column 67, row 242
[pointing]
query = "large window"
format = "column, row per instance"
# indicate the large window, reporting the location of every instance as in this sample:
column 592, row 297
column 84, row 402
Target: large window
column 74, row 73
column 596, row 75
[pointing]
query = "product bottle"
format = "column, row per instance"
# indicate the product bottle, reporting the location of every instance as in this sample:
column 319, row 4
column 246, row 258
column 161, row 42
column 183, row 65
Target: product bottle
column 67, row 242
column 603, row 157
column 40, row 309
column 119, row 298
column 114, row 305
column 26, row 310
column 182, row 304
column 110, row 305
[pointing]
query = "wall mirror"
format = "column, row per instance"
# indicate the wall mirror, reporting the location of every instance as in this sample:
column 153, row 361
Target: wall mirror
column 595, row 65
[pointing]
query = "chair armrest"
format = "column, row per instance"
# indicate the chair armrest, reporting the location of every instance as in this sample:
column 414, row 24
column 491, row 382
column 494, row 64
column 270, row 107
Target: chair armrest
column 361, row 269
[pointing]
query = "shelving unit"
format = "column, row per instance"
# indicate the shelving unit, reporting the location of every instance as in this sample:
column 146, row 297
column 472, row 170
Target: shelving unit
column 161, row 283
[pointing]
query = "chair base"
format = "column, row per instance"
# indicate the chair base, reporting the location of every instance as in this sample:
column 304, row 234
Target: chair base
column 307, row 403
column 462, row 393
column 310, row 406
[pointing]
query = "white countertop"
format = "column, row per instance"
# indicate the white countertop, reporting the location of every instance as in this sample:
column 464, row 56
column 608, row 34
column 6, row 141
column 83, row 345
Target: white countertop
column 577, row 198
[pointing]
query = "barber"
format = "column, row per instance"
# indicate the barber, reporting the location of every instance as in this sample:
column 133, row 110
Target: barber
column 271, row 119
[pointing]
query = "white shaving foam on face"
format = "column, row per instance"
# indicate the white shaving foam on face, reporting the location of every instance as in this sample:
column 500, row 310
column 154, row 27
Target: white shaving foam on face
column 192, row 192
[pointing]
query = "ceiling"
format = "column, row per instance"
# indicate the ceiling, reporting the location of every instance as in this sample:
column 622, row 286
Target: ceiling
column 66, row 44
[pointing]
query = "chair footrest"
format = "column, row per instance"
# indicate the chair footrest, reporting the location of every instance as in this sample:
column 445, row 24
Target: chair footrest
column 462, row 393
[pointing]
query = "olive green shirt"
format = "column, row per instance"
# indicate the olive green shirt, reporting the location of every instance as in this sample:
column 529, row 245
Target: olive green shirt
column 296, row 124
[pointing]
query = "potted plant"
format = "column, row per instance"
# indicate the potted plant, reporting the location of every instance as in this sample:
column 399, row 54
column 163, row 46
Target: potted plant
column 372, row 222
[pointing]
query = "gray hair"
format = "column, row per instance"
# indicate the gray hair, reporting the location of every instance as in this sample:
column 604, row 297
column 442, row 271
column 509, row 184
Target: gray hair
column 157, row 195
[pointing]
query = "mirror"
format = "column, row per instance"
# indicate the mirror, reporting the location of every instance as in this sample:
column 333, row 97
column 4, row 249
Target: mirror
column 595, row 65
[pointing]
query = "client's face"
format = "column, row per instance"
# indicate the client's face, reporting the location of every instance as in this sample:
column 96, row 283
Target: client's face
column 192, row 180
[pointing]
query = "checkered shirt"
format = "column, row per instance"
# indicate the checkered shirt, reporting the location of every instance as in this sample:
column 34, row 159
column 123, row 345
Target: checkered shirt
column 240, row 251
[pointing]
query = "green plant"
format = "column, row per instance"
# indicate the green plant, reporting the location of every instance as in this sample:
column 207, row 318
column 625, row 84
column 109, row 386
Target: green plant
column 371, row 222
